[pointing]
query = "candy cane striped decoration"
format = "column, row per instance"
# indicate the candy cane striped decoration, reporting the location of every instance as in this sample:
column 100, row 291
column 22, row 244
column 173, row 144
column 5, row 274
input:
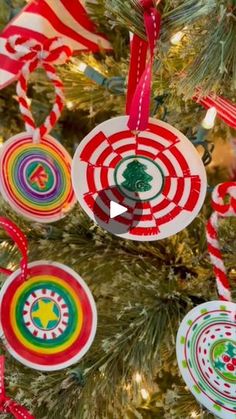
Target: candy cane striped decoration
column 226, row 110
column 36, row 55
column 221, row 210
column 7, row 405
column 44, row 19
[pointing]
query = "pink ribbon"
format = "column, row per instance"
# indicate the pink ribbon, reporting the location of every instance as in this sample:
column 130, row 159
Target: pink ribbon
column 7, row 405
column 140, row 74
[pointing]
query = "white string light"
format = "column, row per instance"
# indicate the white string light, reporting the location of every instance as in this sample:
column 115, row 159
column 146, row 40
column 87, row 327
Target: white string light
column 177, row 38
column 144, row 394
column 81, row 66
column 209, row 120
column 69, row 104
column 138, row 378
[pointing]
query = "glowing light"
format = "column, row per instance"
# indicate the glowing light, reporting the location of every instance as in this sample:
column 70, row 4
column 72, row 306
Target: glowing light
column 177, row 38
column 194, row 414
column 69, row 104
column 82, row 66
column 144, row 393
column 138, row 378
column 1, row 141
column 209, row 120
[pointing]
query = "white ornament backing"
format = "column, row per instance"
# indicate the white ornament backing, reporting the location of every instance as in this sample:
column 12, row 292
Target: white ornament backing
column 206, row 354
column 156, row 174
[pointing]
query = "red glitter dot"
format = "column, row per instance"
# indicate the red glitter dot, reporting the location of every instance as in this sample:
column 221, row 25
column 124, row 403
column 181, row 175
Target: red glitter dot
column 230, row 367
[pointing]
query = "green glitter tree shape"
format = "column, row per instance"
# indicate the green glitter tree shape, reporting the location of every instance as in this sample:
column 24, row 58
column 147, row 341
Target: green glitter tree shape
column 136, row 178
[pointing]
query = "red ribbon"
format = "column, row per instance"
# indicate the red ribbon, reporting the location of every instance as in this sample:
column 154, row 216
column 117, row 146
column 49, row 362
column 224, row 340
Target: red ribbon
column 21, row 241
column 140, row 74
column 7, row 405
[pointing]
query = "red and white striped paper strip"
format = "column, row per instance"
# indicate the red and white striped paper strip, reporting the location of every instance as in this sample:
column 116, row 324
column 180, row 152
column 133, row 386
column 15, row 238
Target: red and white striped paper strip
column 7, row 405
column 34, row 55
column 43, row 19
column 221, row 210
column 226, row 110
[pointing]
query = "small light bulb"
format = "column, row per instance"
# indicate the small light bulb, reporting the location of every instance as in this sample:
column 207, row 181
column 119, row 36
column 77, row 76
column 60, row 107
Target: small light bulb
column 138, row 378
column 69, row 104
column 144, row 393
column 209, row 120
column 176, row 38
column 82, row 66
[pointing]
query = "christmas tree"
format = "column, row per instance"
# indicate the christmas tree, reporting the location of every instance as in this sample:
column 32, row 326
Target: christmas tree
column 136, row 178
column 142, row 289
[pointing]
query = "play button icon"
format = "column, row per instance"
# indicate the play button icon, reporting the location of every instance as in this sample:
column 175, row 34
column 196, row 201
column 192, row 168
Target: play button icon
column 116, row 209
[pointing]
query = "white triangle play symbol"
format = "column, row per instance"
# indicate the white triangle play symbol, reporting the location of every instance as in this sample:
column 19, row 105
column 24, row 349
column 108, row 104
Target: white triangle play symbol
column 116, row 209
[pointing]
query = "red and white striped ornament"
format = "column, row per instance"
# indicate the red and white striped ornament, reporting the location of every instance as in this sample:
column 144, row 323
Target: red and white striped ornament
column 44, row 19
column 221, row 210
column 146, row 172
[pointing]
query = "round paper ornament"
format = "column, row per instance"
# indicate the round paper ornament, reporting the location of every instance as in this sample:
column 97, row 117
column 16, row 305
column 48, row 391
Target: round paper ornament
column 36, row 178
column 156, row 174
column 34, row 167
column 48, row 322
column 206, row 354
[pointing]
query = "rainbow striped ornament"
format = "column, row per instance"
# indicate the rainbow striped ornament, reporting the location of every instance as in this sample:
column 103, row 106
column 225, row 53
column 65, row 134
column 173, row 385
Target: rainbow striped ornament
column 49, row 321
column 35, row 179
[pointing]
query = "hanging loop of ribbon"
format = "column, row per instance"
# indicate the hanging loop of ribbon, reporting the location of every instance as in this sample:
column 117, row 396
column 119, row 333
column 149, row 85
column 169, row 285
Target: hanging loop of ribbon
column 7, row 405
column 35, row 55
column 21, row 241
column 221, row 210
column 140, row 73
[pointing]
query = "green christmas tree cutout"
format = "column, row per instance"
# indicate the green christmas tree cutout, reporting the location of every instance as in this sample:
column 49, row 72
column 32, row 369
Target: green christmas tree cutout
column 136, row 177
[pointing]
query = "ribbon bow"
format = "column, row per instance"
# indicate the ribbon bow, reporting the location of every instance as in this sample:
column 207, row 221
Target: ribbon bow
column 7, row 405
column 52, row 51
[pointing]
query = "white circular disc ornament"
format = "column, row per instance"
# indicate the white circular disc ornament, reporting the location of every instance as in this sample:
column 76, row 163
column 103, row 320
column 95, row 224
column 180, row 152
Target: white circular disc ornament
column 206, row 354
column 49, row 321
column 156, row 174
column 35, row 179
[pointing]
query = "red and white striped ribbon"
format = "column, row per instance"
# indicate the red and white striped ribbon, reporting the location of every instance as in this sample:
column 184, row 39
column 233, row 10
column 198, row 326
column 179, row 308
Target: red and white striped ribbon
column 221, row 210
column 21, row 241
column 52, row 51
column 7, row 405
